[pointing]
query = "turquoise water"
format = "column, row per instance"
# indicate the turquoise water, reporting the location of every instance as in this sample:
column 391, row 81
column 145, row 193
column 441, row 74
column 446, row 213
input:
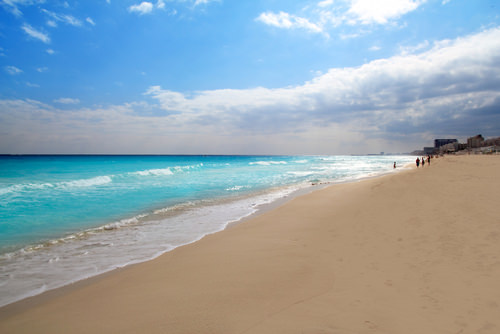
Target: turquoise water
column 63, row 218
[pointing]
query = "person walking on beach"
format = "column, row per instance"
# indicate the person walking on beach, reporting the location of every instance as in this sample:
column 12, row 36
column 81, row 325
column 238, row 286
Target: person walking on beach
column 394, row 164
column 417, row 162
column 429, row 160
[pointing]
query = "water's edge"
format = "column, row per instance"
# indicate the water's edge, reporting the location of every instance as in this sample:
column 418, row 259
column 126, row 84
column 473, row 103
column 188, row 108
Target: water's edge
column 245, row 208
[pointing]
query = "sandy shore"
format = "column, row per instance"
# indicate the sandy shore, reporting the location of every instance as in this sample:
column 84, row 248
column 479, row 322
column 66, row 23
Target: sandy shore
column 416, row 252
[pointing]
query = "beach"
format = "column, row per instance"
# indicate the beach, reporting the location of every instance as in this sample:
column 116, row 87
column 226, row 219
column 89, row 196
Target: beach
column 412, row 252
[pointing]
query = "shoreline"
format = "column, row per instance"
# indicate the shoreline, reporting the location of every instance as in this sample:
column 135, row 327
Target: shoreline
column 290, row 193
column 391, row 254
column 259, row 210
column 49, row 253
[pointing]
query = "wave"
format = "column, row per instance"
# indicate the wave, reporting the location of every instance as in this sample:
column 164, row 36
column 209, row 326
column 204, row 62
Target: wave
column 236, row 188
column 154, row 172
column 82, row 235
column 82, row 183
column 25, row 187
column 268, row 163
column 166, row 171
column 301, row 173
column 95, row 181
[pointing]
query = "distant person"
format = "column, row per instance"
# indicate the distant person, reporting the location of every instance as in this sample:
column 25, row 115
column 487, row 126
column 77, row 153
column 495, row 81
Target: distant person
column 429, row 160
column 394, row 164
column 417, row 162
column 423, row 162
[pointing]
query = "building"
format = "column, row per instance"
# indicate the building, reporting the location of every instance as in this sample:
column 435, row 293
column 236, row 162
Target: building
column 492, row 142
column 475, row 142
column 441, row 142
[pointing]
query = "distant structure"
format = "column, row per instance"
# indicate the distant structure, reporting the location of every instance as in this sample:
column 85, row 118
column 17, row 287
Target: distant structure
column 492, row 142
column 474, row 145
column 441, row 142
column 475, row 142
column 452, row 147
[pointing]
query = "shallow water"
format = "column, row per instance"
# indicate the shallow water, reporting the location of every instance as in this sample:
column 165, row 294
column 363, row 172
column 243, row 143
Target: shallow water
column 64, row 218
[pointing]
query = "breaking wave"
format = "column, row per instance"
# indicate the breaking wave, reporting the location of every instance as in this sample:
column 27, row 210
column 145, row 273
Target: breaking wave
column 82, row 183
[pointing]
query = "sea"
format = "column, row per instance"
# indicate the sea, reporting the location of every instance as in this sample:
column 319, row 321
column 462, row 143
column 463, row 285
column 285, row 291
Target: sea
column 67, row 218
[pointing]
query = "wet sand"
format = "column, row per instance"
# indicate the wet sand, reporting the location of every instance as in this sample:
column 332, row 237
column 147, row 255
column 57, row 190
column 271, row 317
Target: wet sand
column 412, row 252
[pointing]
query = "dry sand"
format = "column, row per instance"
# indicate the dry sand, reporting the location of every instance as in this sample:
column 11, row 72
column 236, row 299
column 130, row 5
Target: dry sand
column 416, row 252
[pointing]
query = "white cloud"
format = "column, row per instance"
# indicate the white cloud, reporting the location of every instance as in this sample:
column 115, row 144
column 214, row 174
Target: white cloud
column 414, row 48
column 68, row 19
column 13, row 5
column 330, row 14
column 67, row 100
column 35, row 33
column 50, row 51
column 146, row 7
column 142, row 8
column 381, row 11
column 203, row 2
column 288, row 21
column 411, row 89
column 90, row 21
column 12, row 70
column 325, row 3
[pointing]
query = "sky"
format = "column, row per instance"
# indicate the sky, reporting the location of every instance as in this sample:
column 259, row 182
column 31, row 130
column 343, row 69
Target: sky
column 246, row 77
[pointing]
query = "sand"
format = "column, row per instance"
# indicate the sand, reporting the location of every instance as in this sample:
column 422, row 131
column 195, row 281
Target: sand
column 414, row 252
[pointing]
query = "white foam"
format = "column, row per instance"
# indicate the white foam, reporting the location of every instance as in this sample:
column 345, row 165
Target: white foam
column 82, row 183
column 268, row 163
column 155, row 172
column 166, row 171
column 236, row 188
column 301, row 173
column 25, row 187
column 95, row 181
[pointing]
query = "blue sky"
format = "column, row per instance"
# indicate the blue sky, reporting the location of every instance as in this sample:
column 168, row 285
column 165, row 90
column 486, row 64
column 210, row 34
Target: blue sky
column 246, row 77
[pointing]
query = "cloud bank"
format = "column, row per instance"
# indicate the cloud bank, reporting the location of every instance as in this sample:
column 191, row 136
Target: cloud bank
column 451, row 89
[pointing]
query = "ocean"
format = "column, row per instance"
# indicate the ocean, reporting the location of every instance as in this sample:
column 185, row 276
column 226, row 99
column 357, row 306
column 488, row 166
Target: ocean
column 66, row 218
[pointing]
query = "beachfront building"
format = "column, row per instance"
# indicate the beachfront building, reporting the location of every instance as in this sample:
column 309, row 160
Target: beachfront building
column 448, row 148
column 474, row 145
column 475, row 142
column 492, row 142
column 441, row 142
